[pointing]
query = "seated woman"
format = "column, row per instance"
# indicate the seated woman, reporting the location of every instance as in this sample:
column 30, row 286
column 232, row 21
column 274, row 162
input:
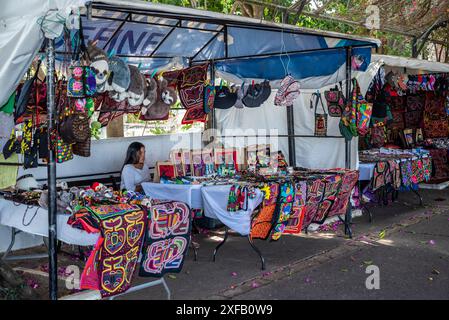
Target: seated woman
column 134, row 170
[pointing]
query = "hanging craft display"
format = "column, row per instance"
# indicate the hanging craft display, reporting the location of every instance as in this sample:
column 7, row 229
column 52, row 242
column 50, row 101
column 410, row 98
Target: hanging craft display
column 191, row 82
column 288, row 92
column 167, row 239
column 320, row 118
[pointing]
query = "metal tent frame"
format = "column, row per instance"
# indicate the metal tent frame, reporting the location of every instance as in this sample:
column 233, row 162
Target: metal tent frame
column 180, row 16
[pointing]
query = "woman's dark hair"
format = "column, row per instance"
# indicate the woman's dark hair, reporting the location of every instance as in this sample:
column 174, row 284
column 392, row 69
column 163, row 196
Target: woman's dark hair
column 131, row 153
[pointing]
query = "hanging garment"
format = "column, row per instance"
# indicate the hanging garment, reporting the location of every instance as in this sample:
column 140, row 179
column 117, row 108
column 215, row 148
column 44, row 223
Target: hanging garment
column 111, row 265
column 440, row 161
column 167, row 239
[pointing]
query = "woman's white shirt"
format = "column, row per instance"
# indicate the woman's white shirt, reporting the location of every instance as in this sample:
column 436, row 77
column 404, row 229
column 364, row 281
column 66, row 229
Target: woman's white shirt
column 132, row 176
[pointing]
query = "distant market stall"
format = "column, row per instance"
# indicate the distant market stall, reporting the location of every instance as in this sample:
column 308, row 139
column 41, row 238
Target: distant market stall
column 117, row 57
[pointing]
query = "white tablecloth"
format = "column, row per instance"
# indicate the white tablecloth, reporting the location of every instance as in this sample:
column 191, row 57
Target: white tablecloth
column 366, row 171
column 187, row 193
column 215, row 200
column 21, row 219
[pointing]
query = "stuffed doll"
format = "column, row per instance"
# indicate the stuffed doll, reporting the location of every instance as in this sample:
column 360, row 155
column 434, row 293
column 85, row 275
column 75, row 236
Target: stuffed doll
column 99, row 65
column 136, row 88
column 119, row 77
column 150, row 94
column 166, row 97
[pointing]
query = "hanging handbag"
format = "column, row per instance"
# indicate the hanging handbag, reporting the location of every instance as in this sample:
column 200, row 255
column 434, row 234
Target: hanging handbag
column 82, row 149
column 335, row 101
column 75, row 128
column 24, row 96
column 320, row 118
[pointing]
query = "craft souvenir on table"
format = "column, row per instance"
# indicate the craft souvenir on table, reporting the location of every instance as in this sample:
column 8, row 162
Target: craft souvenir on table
column 209, row 98
column 224, row 98
column 187, row 161
column 164, row 169
column 167, row 239
column 288, row 92
column 111, row 266
column 207, row 157
column 335, row 101
column 99, row 65
column 262, row 223
column 198, row 167
column 191, row 82
column 136, row 90
column 226, row 156
column 320, row 118
column 256, row 94
column 177, row 159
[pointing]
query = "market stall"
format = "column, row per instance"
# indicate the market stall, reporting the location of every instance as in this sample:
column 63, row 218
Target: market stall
column 124, row 70
column 409, row 99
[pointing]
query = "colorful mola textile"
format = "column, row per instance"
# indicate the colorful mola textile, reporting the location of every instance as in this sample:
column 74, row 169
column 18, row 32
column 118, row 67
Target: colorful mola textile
column 191, row 83
column 333, row 184
column 350, row 179
column 283, row 209
column 315, row 194
column 263, row 222
column 294, row 223
column 167, row 239
column 111, row 265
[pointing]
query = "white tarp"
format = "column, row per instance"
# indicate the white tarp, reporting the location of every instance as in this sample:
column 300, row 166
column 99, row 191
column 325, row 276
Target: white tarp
column 21, row 36
column 311, row 152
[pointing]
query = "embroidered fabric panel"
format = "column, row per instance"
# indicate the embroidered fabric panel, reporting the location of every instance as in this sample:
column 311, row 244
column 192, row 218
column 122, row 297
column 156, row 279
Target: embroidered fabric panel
column 167, row 239
column 333, row 186
column 283, row 209
column 315, row 195
column 263, row 222
column 111, row 265
column 294, row 223
column 191, row 86
column 350, row 179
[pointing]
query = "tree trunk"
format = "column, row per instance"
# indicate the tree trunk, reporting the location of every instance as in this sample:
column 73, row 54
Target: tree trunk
column 11, row 281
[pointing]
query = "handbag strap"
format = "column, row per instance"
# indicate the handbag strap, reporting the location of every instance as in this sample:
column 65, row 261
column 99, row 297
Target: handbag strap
column 317, row 96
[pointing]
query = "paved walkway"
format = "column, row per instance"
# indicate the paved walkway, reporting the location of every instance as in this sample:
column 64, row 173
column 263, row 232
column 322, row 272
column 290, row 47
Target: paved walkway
column 409, row 244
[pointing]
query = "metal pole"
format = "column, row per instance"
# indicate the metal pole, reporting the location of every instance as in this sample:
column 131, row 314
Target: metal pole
column 348, row 99
column 51, row 172
column 291, row 138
